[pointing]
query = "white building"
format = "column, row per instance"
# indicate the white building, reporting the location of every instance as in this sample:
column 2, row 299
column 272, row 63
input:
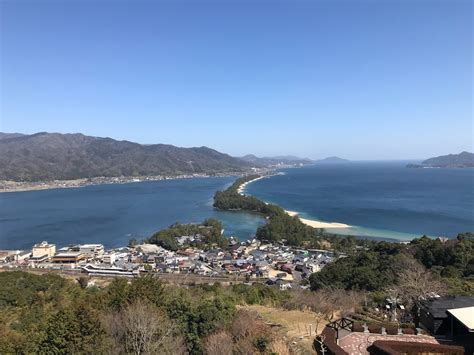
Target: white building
column 43, row 248
column 109, row 258
column 91, row 249
column 21, row 255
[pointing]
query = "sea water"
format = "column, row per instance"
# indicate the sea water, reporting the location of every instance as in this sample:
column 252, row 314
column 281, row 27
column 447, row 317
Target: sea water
column 379, row 199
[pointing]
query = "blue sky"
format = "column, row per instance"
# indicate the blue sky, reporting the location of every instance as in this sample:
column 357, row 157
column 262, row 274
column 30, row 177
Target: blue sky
column 359, row 79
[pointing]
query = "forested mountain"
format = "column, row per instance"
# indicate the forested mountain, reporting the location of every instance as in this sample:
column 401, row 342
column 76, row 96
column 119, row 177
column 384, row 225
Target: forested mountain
column 461, row 160
column 9, row 135
column 51, row 156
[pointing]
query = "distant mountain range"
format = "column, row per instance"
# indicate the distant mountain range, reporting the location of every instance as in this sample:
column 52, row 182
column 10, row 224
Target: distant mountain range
column 331, row 160
column 461, row 160
column 10, row 135
column 286, row 160
column 54, row 156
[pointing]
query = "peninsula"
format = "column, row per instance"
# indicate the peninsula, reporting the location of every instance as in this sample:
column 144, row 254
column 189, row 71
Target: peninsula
column 461, row 160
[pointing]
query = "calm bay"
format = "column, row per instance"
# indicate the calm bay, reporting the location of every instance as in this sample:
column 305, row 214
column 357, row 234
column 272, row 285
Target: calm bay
column 113, row 214
column 377, row 199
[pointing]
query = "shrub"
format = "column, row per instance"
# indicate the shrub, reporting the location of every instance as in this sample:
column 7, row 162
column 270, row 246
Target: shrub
column 357, row 327
column 279, row 347
column 391, row 330
column 261, row 343
column 219, row 343
column 375, row 328
column 83, row 281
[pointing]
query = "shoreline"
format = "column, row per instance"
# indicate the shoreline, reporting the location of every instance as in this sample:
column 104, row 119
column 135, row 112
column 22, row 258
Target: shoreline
column 318, row 224
column 337, row 227
column 7, row 186
column 310, row 222
column 241, row 188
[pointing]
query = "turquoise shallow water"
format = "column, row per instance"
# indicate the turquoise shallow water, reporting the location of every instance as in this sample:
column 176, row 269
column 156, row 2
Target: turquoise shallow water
column 112, row 214
column 379, row 199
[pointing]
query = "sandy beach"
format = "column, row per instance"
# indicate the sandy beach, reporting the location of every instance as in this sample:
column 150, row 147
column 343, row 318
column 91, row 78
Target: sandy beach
column 309, row 222
column 318, row 224
column 241, row 188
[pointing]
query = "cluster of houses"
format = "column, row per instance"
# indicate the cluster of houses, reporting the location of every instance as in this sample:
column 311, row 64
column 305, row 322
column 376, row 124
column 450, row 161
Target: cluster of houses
column 276, row 263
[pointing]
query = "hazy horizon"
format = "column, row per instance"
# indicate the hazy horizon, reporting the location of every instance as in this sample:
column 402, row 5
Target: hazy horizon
column 362, row 80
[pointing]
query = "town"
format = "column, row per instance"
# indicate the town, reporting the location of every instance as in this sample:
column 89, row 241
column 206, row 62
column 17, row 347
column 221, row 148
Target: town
column 272, row 263
column 387, row 324
column 14, row 186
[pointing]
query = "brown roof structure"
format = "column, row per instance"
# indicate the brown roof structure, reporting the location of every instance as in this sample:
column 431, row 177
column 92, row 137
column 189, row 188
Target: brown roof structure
column 387, row 347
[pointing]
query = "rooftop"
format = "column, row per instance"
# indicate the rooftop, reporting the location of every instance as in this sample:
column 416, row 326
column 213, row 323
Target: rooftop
column 406, row 347
column 68, row 254
column 357, row 343
column 439, row 306
column 465, row 315
column 43, row 244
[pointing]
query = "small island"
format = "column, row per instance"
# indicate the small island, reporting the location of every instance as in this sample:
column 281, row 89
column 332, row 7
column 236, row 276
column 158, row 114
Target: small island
column 332, row 160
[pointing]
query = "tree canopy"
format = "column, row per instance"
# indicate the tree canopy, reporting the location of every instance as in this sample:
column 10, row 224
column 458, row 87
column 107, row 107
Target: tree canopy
column 280, row 226
column 127, row 316
column 385, row 264
column 209, row 232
